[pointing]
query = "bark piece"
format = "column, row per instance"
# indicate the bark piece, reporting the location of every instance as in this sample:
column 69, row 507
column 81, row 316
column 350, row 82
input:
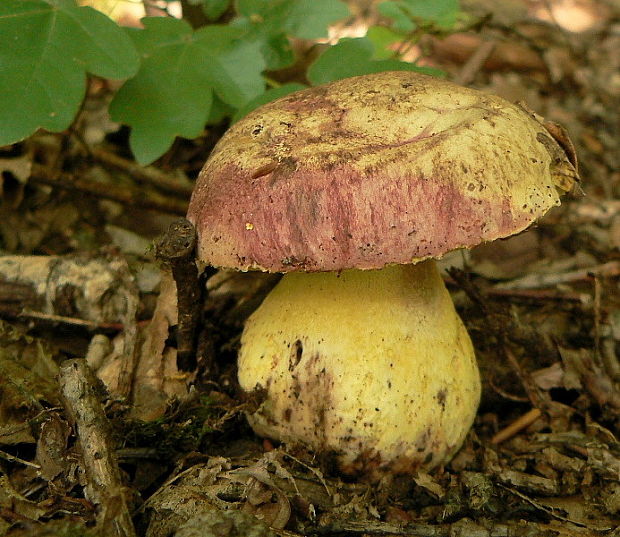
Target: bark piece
column 82, row 401
column 89, row 289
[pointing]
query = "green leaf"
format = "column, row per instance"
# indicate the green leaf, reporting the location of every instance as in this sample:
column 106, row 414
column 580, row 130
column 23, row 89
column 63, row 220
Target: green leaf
column 181, row 70
column 401, row 19
column 407, row 15
column 441, row 12
column 307, row 19
column 213, row 9
column 219, row 111
column 269, row 22
column 267, row 97
column 46, row 49
column 352, row 57
column 275, row 48
column 277, row 51
column 381, row 39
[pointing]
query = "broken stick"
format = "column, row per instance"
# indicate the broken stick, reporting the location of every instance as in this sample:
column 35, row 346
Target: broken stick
column 81, row 398
column 176, row 249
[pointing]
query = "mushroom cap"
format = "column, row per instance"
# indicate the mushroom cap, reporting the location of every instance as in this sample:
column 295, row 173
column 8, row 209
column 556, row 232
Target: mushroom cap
column 387, row 168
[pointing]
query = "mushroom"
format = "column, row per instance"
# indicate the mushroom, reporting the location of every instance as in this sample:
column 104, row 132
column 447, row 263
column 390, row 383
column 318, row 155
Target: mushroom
column 352, row 189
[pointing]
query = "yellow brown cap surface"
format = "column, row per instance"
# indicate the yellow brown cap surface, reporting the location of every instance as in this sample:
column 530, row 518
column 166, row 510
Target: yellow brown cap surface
column 387, row 168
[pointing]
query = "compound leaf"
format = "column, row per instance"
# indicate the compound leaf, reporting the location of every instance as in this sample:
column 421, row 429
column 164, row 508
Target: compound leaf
column 407, row 14
column 268, row 22
column 442, row 12
column 401, row 20
column 352, row 57
column 307, row 19
column 382, row 39
column 46, row 49
column 267, row 97
column 213, row 9
column 173, row 92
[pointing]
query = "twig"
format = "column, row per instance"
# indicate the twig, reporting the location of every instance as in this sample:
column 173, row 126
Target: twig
column 176, row 248
column 129, row 319
column 540, row 507
column 505, row 394
column 535, row 294
column 532, row 393
column 461, row 527
column 81, row 400
column 516, row 426
column 371, row 527
column 531, row 483
column 51, row 319
column 597, row 321
column 144, row 174
column 12, row 458
column 475, row 62
column 131, row 196
column 603, row 211
column 533, row 281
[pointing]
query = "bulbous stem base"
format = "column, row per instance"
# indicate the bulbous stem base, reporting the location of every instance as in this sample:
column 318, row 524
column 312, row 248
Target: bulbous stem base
column 374, row 366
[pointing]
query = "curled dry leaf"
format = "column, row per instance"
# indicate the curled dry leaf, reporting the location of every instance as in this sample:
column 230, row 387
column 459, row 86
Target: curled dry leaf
column 267, row 503
column 14, row 502
column 52, row 446
column 197, row 495
column 19, row 168
column 583, row 371
column 157, row 377
column 27, row 382
column 224, row 524
column 265, row 499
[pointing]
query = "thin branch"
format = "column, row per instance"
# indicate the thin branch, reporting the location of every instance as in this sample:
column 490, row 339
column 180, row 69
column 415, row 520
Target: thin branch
column 516, row 426
column 47, row 319
column 144, row 174
column 475, row 62
column 82, row 401
column 130, row 196
column 12, row 458
column 464, row 526
column 176, row 249
column 551, row 511
column 536, row 294
column 534, row 281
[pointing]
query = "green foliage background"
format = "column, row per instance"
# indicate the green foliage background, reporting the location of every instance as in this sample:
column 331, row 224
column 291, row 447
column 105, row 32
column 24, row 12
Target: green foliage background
column 178, row 78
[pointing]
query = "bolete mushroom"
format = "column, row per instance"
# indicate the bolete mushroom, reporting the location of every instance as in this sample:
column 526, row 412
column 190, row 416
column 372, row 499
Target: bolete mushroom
column 352, row 189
